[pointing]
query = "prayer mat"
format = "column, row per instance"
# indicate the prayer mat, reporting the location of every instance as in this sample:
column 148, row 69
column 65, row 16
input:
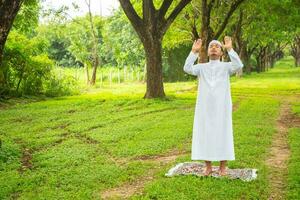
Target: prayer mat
column 198, row 168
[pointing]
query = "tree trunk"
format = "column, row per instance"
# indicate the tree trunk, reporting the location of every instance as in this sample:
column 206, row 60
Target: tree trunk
column 297, row 61
column 245, row 57
column 95, row 44
column 265, row 62
column 8, row 12
column 154, row 80
column 151, row 28
column 296, row 50
column 207, row 33
column 206, row 38
column 258, row 61
column 95, row 65
column 258, row 64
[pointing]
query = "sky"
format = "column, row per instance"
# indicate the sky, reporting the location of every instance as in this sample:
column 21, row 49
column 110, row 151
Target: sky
column 103, row 7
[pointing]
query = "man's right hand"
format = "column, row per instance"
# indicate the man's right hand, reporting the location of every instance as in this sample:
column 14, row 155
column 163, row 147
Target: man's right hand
column 197, row 46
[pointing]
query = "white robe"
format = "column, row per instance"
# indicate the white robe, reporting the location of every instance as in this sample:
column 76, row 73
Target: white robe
column 212, row 130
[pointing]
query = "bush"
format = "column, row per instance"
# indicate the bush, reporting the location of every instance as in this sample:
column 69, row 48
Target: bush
column 28, row 71
column 61, row 85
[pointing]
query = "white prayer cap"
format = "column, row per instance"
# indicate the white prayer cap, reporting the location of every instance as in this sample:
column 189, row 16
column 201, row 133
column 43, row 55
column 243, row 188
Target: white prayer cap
column 215, row 42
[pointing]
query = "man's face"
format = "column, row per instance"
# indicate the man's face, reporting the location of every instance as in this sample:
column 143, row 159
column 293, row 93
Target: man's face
column 214, row 51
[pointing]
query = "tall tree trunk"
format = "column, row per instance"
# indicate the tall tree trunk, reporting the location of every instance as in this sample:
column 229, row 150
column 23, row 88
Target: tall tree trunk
column 245, row 57
column 264, row 60
column 258, row 58
column 242, row 45
column 206, row 32
column 94, row 72
column 95, row 56
column 258, row 64
column 297, row 61
column 8, row 12
column 261, row 59
column 155, row 88
column 296, row 50
column 151, row 29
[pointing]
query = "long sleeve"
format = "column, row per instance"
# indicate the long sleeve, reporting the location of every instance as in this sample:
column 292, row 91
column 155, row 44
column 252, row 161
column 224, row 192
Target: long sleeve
column 189, row 66
column 235, row 63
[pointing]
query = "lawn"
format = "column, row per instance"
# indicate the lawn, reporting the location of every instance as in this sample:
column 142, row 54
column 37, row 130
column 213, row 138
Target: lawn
column 77, row 147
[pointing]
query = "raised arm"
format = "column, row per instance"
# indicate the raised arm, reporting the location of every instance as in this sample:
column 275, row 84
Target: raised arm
column 236, row 62
column 189, row 66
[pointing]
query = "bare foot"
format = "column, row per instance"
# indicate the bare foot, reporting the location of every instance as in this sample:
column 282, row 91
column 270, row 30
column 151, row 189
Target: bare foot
column 208, row 172
column 222, row 172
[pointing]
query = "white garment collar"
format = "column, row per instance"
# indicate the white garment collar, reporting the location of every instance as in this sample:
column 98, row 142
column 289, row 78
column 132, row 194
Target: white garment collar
column 214, row 61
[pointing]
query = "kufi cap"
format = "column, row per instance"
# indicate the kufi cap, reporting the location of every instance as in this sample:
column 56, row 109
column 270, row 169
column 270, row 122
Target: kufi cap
column 215, row 42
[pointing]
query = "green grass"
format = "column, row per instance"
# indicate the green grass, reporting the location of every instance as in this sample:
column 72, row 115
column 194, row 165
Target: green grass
column 294, row 161
column 294, row 164
column 83, row 145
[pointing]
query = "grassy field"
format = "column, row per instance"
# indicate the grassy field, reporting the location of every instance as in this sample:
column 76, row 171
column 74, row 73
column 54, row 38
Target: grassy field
column 79, row 147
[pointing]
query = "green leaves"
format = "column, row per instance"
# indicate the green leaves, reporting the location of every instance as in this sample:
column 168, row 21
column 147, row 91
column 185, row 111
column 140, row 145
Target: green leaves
column 28, row 17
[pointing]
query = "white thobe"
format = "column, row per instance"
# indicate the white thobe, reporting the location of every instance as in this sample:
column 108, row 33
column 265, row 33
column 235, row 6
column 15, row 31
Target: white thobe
column 212, row 130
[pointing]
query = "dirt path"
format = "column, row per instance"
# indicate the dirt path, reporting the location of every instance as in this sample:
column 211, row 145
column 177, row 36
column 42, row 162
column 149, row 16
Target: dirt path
column 136, row 187
column 279, row 153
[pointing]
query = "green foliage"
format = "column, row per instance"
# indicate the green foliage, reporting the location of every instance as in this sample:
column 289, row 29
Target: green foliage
column 33, row 49
column 173, row 62
column 28, row 17
column 81, row 40
column 58, row 44
column 26, row 66
column 121, row 43
column 30, row 71
column 60, row 85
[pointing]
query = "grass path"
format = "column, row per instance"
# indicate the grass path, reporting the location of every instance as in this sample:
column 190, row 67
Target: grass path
column 112, row 144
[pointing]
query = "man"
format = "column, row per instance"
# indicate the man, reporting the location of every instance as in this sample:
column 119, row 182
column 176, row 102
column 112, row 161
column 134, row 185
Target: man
column 212, row 129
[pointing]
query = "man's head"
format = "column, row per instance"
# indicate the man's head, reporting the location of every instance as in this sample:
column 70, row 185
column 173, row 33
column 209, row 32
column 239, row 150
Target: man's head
column 215, row 50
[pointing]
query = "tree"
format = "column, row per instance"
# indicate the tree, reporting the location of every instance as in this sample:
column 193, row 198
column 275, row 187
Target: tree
column 93, row 30
column 151, row 28
column 28, row 67
column 84, row 35
column 214, row 16
column 82, row 44
column 121, row 45
column 8, row 12
column 296, row 50
column 277, row 19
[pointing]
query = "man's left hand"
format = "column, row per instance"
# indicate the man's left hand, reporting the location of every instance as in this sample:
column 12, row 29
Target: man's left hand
column 228, row 43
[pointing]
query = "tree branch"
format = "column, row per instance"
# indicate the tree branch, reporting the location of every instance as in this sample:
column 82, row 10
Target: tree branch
column 233, row 7
column 253, row 49
column 174, row 14
column 133, row 17
column 164, row 8
column 210, row 5
column 148, row 11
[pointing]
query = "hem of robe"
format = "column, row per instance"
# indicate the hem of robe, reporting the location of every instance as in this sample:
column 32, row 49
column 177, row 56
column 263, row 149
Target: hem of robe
column 213, row 159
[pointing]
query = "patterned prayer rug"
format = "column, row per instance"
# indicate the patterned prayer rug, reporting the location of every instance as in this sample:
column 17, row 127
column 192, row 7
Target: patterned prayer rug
column 197, row 168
